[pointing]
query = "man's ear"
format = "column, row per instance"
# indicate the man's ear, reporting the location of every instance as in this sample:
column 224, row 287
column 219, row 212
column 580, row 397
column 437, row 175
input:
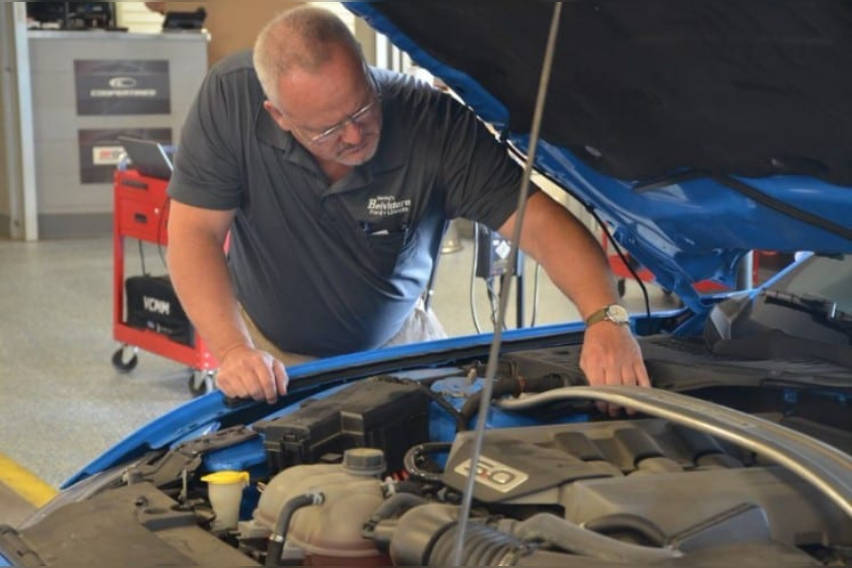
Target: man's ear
column 278, row 116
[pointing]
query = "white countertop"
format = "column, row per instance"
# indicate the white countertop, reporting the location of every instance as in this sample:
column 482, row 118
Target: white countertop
column 119, row 36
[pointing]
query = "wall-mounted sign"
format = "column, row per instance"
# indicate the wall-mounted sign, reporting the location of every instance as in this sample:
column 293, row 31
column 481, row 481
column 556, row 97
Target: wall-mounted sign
column 111, row 87
column 101, row 151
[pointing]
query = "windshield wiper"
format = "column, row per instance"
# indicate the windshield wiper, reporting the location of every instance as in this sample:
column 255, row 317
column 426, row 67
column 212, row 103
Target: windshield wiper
column 813, row 305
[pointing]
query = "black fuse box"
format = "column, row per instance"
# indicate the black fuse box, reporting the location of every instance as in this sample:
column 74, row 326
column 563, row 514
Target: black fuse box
column 379, row 412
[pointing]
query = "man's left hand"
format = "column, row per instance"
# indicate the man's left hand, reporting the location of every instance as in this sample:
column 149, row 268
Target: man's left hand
column 611, row 356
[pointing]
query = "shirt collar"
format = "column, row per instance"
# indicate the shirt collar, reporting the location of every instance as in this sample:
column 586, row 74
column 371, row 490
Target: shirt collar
column 271, row 133
column 388, row 159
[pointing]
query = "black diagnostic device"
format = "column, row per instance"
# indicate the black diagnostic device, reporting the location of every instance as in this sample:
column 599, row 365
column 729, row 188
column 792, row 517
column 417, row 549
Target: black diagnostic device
column 492, row 254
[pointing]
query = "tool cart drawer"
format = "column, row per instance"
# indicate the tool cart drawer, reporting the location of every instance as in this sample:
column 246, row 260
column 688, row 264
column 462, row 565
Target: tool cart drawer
column 142, row 220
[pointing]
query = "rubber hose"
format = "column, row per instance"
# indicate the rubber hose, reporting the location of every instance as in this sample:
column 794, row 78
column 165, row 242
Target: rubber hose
column 437, row 398
column 279, row 533
column 573, row 538
column 627, row 522
column 428, row 382
column 514, row 385
column 391, row 507
column 483, row 546
column 502, row 387
column 409, row 462
column 394, row 505
column 461, row 423
column 409, row 487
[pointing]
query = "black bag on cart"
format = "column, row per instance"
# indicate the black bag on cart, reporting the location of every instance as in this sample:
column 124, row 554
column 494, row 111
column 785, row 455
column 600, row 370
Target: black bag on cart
column 152, row 304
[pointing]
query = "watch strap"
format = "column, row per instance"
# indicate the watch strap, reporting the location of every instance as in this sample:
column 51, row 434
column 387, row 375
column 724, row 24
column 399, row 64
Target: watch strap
column 606, row 314
column 599, row 315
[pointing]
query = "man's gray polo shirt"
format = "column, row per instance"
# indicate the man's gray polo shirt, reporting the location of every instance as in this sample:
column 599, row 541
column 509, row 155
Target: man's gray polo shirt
column 328, row 269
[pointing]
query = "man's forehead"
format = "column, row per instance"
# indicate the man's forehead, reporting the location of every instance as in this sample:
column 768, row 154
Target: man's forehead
column 325, row 92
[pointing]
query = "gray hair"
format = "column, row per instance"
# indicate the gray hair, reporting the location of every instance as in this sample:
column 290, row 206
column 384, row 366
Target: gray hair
column 298, row 38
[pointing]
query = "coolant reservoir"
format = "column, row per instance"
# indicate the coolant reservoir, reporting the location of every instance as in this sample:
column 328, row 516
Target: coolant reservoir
column 331, row 532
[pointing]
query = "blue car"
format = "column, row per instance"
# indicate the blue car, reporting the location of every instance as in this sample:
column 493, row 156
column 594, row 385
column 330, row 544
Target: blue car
column 698, row 132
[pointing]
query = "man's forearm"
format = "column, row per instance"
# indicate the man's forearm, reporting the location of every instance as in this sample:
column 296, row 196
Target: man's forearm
column 568, row 252
column 200, row 276
column 577, row 265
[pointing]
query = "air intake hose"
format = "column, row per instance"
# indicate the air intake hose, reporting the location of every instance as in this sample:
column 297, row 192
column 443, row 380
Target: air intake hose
column 424, row 536
column 573, row 538
column 483, row 546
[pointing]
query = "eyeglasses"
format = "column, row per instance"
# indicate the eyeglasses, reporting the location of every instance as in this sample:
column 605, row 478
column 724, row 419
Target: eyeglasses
column 359, row 118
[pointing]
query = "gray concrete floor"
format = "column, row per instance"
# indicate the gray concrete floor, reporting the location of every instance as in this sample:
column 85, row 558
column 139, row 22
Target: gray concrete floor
column 61, row 401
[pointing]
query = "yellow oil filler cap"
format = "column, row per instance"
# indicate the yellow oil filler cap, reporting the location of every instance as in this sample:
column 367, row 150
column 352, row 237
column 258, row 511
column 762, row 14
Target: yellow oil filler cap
column 226, row 477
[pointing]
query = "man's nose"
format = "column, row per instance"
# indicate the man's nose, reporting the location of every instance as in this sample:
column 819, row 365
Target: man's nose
column 352, row 135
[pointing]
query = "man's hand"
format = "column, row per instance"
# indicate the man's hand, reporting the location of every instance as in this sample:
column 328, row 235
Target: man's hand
column 245, row 372
column 577, row 265
column 611, row 356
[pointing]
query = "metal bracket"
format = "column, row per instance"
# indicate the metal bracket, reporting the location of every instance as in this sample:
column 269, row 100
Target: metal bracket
column 187, row 457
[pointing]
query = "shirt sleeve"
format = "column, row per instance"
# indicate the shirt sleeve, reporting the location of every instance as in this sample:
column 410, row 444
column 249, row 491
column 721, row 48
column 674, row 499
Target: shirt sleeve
column 480, row 178
column 207, row 170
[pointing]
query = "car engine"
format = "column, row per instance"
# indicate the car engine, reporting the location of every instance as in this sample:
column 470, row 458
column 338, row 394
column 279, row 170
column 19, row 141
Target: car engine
column 371, row 473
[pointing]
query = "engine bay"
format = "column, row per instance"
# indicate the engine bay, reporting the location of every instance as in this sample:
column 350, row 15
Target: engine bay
column 371, row 473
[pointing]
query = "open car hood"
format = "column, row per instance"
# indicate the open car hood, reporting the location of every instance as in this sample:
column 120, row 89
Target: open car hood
column 698, row 130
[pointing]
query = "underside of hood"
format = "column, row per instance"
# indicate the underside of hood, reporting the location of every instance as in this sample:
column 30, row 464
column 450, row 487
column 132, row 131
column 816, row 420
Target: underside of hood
column 698, row 130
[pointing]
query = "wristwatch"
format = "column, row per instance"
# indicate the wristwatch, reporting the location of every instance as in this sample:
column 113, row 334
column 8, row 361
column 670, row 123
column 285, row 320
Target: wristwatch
column 613, row 312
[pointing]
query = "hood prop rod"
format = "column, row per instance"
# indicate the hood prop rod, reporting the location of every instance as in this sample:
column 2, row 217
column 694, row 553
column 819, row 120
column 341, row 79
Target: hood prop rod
column 506, row 285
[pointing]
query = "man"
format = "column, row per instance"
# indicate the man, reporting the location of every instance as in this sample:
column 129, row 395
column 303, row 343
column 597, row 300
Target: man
column 335, row 180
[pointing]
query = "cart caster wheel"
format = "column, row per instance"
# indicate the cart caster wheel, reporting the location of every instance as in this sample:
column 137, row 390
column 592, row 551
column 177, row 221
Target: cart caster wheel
column 118, row 360
column 621, row 285
column 201, row 383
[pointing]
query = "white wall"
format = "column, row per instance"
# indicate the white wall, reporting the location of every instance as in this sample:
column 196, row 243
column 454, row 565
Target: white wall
column 7, row 131
column 17, row 171
column 342, row 13
column 137, row 17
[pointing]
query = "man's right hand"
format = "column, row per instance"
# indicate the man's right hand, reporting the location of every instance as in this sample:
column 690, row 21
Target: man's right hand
column 245, row 372
column 196, row 241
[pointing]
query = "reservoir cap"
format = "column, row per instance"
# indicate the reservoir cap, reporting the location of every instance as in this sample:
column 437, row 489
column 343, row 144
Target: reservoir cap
column 364, row 461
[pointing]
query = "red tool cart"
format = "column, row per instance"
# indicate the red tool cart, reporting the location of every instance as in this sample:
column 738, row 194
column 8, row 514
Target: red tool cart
column 141, row 209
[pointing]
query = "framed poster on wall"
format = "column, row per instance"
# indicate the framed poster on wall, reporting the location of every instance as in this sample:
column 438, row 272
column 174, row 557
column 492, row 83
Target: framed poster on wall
column 101, row 151
column 122, row 87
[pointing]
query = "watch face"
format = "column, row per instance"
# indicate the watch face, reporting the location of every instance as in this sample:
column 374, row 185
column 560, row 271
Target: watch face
column 617, row 314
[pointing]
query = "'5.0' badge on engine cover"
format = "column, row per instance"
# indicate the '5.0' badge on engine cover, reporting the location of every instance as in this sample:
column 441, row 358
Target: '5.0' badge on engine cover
column 493, row 474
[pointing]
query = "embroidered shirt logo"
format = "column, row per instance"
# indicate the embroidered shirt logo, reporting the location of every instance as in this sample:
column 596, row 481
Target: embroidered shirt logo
column 387, row 205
